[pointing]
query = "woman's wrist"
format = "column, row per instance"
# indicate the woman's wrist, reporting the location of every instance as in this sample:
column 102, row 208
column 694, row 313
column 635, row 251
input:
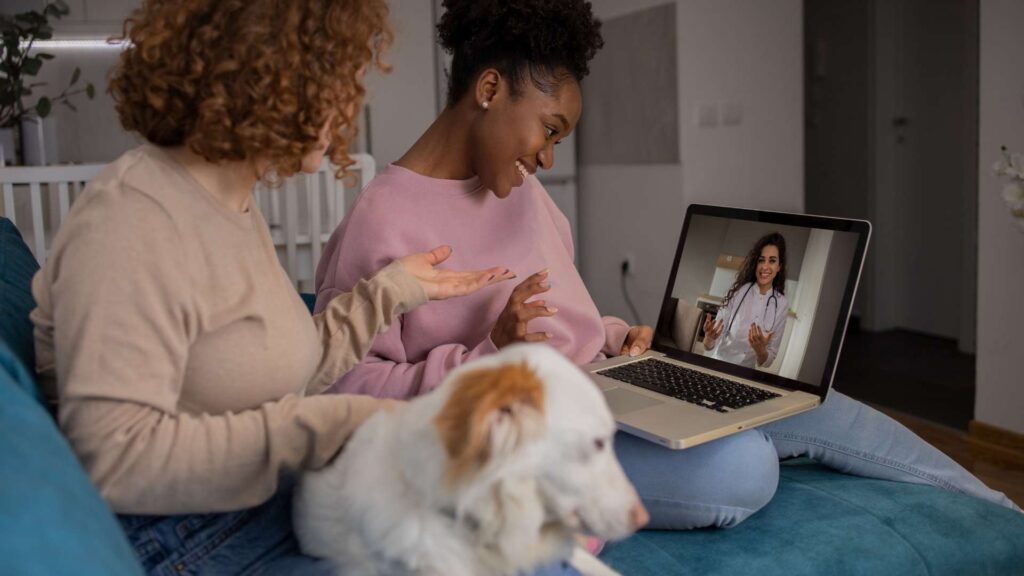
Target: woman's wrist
column 762, row 357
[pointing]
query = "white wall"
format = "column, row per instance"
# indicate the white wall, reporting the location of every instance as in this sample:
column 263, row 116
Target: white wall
column 1000, row 374
column 403, row 103
column 744, row 51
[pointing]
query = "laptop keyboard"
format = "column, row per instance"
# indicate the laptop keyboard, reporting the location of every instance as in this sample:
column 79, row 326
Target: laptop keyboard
column 692, row 386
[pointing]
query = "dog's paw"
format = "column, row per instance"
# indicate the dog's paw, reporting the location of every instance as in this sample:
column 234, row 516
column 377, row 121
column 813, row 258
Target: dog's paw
column 588, row 565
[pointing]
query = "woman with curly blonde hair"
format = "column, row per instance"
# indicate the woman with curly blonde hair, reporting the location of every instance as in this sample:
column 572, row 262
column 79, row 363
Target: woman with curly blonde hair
column 185, row 365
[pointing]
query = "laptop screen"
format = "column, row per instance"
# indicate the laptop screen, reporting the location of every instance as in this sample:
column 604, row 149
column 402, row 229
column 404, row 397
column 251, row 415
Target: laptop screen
column 762, row 295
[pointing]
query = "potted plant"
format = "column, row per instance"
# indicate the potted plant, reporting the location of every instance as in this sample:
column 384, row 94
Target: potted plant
column 19, row 68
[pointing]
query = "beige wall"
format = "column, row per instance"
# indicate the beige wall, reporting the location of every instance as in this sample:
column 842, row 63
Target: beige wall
column 1000, row 372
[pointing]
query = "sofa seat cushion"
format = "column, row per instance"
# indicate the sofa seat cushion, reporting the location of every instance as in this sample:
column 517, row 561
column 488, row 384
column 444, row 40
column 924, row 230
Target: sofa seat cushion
column 17, row 266
column 52, row 519
column 825, row 522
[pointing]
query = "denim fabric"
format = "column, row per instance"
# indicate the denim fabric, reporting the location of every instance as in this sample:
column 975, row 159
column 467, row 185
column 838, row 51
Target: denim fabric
column 851, row 437
column 722, row 483
column 254, row 542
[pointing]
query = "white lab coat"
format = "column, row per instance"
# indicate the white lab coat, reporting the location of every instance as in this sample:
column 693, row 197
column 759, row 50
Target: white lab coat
column 768, row 311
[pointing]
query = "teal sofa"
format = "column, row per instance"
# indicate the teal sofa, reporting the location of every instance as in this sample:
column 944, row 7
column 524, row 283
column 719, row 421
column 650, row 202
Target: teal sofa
column 53, row 521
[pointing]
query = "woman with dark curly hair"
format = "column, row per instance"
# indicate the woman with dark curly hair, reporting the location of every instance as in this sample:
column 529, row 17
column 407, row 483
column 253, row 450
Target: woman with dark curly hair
column 514, row 92
column 185, row 362
column 753, row 325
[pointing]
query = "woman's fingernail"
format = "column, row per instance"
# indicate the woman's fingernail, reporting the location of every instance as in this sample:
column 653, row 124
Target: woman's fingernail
column 547, row 335
column 635, row 351
column 545, row 285
column 552, row 309
column 491, row 277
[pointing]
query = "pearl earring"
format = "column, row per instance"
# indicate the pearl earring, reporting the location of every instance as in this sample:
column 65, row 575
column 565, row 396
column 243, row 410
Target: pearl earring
column 486, row 104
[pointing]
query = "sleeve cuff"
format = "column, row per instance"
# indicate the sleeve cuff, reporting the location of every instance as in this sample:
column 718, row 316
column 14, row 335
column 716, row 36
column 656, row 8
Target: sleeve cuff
column 615, row 331
column 409, row 291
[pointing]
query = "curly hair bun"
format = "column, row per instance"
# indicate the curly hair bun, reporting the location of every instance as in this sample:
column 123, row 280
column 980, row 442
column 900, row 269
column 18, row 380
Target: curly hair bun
column 544, row 34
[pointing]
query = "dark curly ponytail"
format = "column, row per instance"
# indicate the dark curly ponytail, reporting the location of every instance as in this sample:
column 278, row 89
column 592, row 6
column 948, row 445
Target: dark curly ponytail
column 540, row 38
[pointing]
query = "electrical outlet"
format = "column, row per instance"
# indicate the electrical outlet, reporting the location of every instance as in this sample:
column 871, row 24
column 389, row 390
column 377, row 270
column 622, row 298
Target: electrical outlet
column 627, row 266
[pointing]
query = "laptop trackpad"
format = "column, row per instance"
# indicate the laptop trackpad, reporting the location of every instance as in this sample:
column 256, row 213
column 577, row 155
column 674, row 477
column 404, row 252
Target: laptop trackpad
column 622, row 401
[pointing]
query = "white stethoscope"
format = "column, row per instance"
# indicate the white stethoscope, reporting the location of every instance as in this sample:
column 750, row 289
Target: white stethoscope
column 771, row 299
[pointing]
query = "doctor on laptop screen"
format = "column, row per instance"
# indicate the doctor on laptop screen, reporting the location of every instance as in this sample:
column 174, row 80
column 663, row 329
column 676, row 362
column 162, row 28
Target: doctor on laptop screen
column 748, row 326
column 760, row 295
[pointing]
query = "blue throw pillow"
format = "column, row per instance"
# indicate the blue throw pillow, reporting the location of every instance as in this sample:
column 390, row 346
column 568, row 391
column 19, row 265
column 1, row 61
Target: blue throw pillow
column 17, row 266
column 52, row 519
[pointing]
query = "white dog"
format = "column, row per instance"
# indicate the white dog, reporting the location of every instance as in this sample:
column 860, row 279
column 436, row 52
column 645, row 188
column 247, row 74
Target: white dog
column 495, row 472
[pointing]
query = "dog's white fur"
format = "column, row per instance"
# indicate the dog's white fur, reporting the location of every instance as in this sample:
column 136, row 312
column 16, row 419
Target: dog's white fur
column 389, row 505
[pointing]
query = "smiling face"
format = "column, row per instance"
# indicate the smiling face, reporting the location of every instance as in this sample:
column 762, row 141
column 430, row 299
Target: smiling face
column 515, row 135
column 768, row 266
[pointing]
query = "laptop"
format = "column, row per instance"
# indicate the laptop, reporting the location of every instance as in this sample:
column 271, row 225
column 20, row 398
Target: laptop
column 690, row 387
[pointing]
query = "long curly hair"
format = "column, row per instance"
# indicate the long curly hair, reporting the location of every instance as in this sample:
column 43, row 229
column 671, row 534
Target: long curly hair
column 748, row 271
column 249, row 79
column 539, row 38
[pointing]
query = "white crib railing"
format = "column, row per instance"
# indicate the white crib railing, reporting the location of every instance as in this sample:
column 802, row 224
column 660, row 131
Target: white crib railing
column 302, row 212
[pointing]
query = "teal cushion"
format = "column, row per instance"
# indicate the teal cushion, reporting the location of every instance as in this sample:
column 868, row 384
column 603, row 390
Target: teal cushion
column 309, row 300
column 824, row 522
column 52, row 519
column 17, row 266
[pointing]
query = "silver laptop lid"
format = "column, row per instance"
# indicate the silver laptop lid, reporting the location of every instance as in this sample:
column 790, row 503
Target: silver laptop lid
column 777, row 290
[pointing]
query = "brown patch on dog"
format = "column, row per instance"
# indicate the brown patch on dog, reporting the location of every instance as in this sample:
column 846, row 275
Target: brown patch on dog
column 464, row 423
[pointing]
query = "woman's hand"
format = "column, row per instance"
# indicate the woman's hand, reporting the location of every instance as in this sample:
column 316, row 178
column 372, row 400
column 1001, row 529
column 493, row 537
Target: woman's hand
column 442, row 284
column 712, row 330
column 638, row 340
column 759, row 342
column 511, row 323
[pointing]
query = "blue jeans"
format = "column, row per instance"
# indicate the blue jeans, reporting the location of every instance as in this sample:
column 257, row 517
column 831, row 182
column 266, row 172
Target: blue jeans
column 722, row 483
column 254, row 542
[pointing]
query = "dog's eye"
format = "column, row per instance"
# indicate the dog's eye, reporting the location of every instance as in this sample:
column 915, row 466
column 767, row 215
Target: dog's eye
column 599, row 444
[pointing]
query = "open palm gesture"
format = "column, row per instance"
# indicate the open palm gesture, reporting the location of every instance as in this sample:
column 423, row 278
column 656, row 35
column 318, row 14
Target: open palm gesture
column 441, row 284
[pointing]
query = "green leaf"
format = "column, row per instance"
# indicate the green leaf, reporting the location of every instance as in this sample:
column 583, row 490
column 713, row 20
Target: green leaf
column 31, row 18
column 75, row 75
column 44, row 34
column 43, row 107
column 31, row 66
column 90, row 91
column 44, row 56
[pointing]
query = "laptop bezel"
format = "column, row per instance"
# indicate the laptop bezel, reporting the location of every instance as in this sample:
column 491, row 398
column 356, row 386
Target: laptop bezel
column 863, row 230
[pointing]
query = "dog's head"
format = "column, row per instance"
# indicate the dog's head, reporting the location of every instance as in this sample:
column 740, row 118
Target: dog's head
column 528, row 422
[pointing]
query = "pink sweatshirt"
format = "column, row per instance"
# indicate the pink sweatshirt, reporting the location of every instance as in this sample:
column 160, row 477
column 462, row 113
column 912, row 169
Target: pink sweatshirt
column 401, row 212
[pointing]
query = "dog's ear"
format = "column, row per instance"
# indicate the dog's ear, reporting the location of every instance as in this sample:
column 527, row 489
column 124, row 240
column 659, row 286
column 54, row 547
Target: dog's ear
column 489, row 414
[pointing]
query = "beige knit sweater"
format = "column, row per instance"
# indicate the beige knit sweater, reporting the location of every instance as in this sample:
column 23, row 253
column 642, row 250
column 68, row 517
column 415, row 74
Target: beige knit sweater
column 183, row 361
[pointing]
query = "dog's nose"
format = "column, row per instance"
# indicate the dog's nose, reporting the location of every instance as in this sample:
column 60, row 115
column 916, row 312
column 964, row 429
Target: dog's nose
column 638, row 516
